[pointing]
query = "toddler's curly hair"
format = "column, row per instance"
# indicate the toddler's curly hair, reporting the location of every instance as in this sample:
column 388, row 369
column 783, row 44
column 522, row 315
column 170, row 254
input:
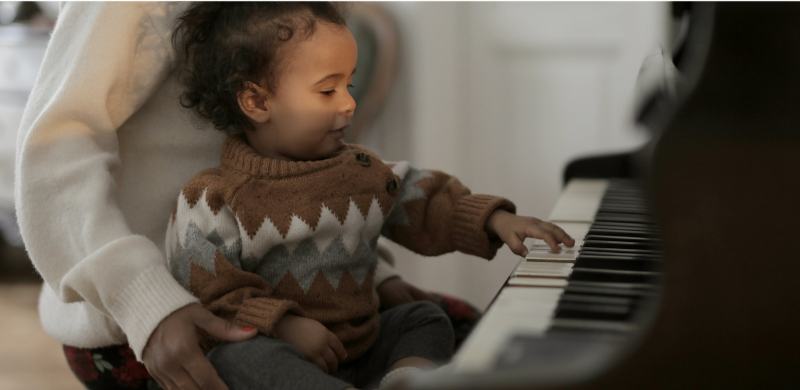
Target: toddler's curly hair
column 227, row 44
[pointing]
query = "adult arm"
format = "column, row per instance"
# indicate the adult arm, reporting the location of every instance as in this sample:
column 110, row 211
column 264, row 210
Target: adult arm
column 103, row 62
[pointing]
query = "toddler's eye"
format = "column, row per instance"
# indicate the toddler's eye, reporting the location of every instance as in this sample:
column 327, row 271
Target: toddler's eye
column 328, row 93
column 351, row 86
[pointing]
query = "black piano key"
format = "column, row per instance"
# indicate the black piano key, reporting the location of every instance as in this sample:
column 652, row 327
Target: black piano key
column 574, row 325
column 617, row 217
column 608, row 291
column 626, row 225
column 594, row 312
column 621, row 232
column 614, row 195
column 625, row 201
column 624, row 210
column 597, row 299
column 631, row 239
column 624, row 207
column 614, row 285
column 612, row 276
column 591, row 243
column 653, row 253
column 629, row 263
column 628, row 209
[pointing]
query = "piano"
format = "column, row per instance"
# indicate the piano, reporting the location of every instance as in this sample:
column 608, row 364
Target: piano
column 685, row 273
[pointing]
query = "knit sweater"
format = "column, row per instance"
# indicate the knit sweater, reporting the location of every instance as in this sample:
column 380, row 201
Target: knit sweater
column 256, row 237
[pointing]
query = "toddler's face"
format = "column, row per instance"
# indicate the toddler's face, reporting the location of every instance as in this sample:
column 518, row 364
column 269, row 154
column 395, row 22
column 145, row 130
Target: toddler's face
column 311, row 106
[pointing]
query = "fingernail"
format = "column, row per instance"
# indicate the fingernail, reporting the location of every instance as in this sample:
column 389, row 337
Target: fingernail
column 248, row 328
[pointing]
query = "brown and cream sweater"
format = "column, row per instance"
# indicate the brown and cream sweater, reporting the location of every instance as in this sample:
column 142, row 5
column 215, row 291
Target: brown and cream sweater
column 255, row 237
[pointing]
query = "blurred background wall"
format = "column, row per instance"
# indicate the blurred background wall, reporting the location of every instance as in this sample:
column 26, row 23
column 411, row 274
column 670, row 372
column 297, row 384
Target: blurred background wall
column 502, row 95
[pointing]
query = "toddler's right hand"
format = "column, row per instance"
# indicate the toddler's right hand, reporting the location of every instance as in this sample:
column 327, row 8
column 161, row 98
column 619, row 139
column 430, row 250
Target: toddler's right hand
column 317, row 344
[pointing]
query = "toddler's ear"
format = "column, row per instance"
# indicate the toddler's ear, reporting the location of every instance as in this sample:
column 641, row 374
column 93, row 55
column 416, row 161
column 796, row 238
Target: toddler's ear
column 254, row 103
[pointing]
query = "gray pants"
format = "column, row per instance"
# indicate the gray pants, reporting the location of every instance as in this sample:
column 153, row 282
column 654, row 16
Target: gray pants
column 415, row 329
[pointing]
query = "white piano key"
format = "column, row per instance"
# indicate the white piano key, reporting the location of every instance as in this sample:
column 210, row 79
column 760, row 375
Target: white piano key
column 579, row 201
column 544, row 270
column 539, row 244
column 575, row 209
column 568, row 255
column 529, row 294
column 528, row 322
column 546, row 249
column 576, row 230
column 595, row 187
column 537, row 282
column 514, row 314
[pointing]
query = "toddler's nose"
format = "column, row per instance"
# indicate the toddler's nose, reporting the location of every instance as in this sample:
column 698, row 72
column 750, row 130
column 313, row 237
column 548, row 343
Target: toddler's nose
column 349, row 104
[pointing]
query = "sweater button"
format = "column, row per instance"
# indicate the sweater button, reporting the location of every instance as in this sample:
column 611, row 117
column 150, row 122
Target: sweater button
column 391, row 185
column 363, row 159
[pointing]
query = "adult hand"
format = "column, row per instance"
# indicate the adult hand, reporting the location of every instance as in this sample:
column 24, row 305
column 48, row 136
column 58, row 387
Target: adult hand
column 173, row 355
column 513, row 230
column 317, row 344
column 396, row 291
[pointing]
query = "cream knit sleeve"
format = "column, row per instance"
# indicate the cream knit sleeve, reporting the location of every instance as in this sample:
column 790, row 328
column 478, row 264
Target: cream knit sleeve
column 103, row 62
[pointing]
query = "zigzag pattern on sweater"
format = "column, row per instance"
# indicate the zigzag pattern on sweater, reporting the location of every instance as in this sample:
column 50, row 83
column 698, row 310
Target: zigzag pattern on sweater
column 331, row 248
column 355, row 228
column 305, row 262
column 201, row 250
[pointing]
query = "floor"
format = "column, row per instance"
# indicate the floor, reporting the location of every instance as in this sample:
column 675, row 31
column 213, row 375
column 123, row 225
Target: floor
column 29, row 358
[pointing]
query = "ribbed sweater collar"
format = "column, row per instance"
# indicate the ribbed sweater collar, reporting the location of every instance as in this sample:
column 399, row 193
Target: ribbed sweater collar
column 237, row 154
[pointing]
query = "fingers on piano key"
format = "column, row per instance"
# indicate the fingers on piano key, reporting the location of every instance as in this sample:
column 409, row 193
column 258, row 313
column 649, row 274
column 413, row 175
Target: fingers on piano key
column 540, row 232
column 516, row 243
column 561, row 235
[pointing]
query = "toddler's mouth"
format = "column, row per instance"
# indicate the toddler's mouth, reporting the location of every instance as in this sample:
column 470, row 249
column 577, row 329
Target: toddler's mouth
column 339, row 132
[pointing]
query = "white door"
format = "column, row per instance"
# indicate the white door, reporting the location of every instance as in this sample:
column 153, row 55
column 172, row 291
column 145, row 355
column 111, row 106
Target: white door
column 503, row 95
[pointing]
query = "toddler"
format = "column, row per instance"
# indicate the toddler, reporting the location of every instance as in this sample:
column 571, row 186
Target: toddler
column 282, row 235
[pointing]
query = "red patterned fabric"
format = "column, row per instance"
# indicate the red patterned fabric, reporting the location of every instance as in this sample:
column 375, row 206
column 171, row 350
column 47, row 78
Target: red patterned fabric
column 81, row 363
column 105, row 368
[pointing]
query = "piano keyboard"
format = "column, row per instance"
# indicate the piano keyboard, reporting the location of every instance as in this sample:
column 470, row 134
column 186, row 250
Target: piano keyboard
column 589, row 292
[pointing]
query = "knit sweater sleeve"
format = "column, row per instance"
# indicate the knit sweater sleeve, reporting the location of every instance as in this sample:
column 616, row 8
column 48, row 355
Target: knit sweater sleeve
column 436, row 214
column 103, row 62
column 204, row 247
